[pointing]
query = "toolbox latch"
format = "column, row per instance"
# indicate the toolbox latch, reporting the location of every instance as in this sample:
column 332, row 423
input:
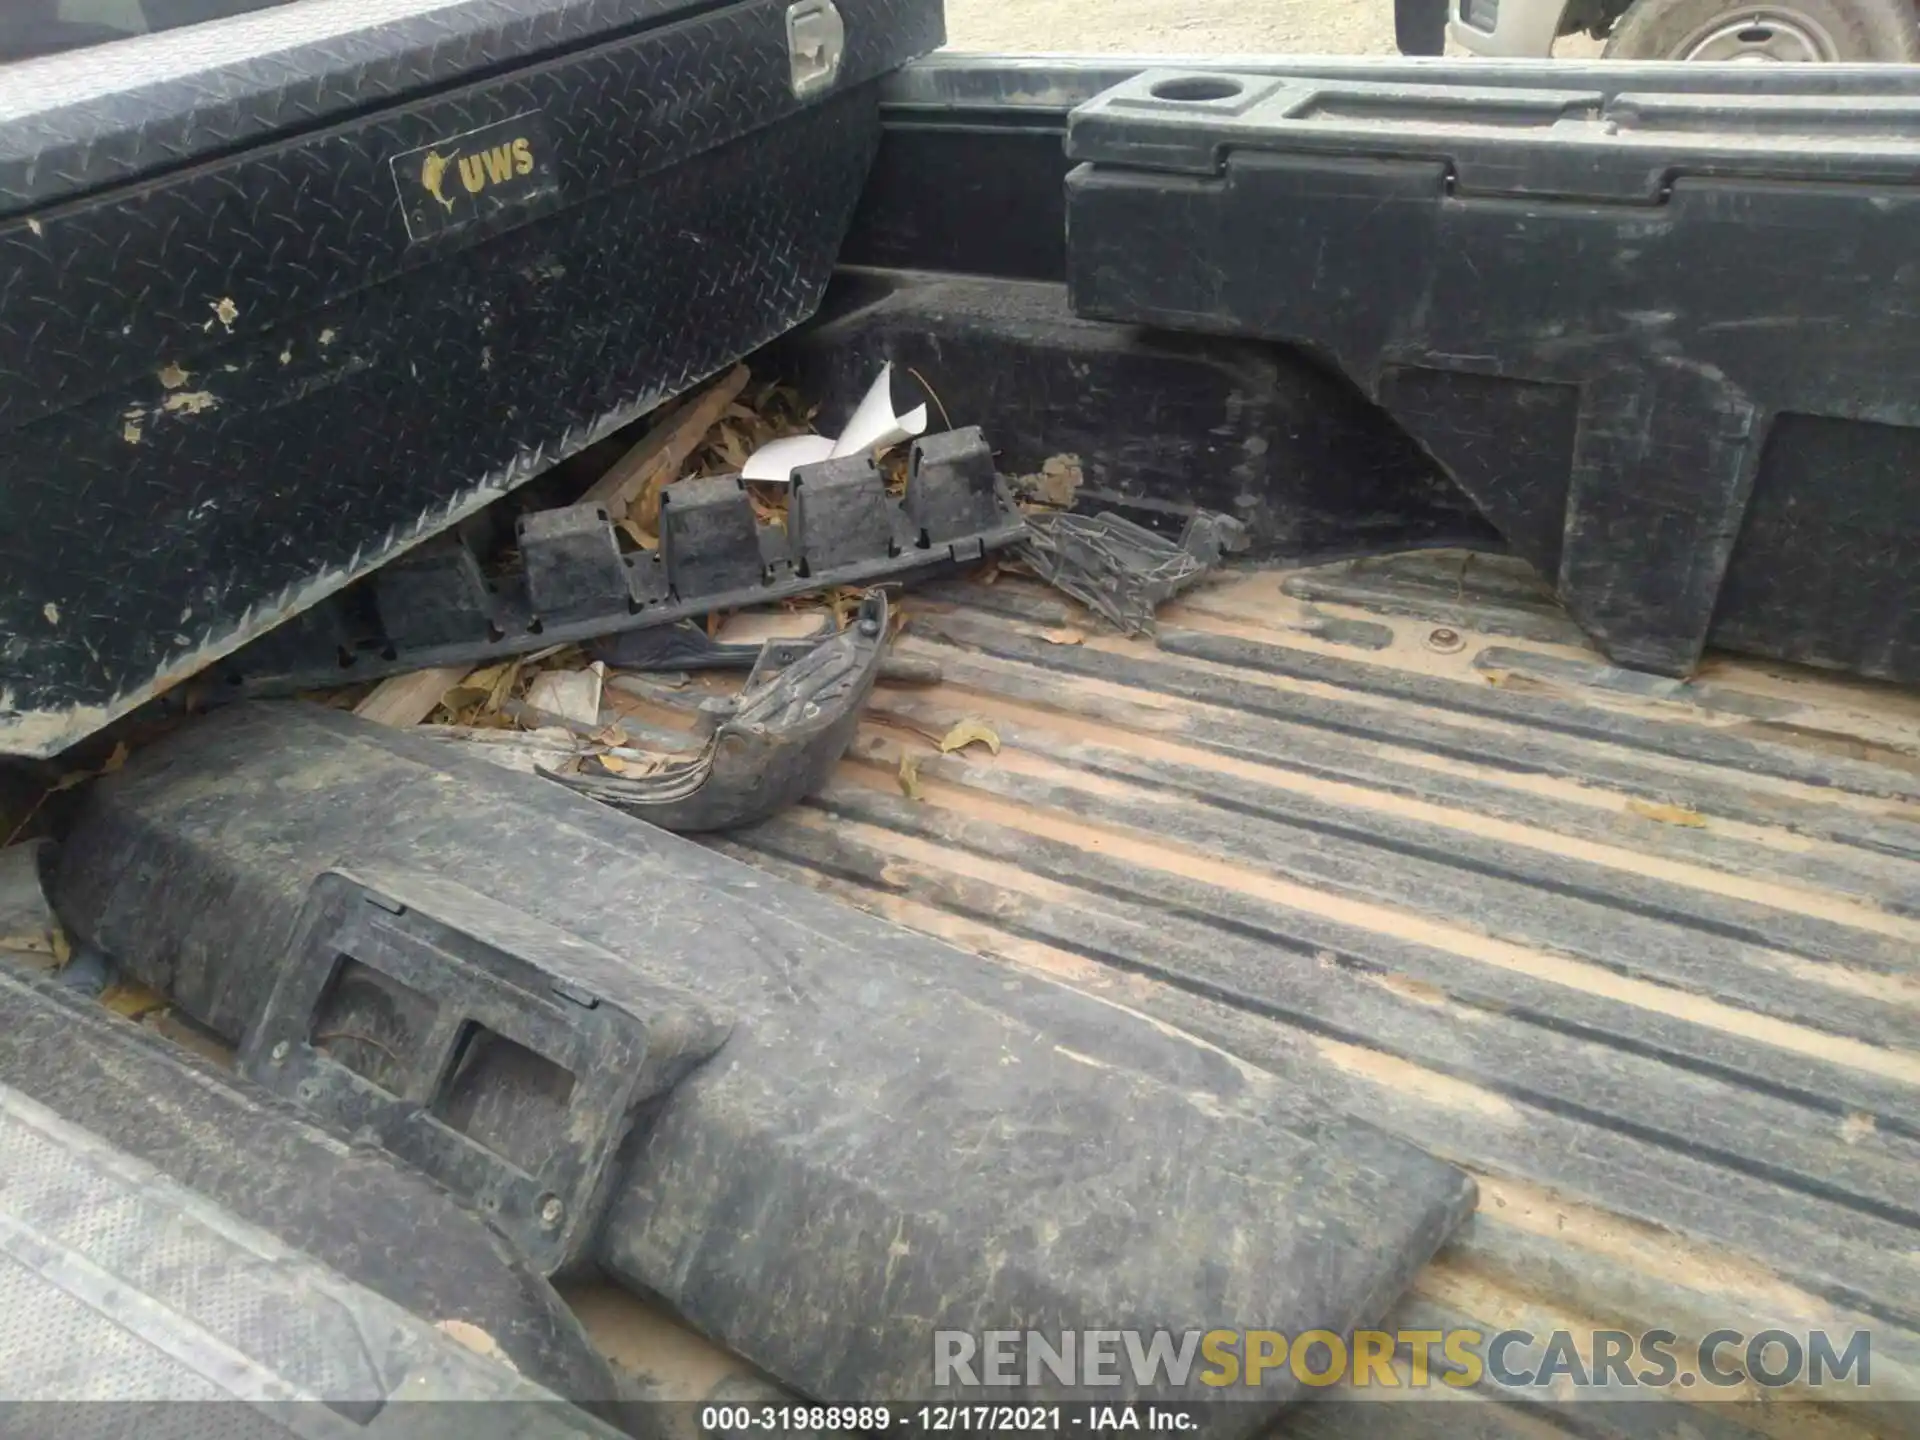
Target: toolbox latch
column 816, row 39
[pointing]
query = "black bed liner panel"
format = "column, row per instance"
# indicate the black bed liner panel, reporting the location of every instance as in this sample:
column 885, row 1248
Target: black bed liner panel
column 235, row 373
column 812, row 1122
column 1659, row 338
column 967, row 134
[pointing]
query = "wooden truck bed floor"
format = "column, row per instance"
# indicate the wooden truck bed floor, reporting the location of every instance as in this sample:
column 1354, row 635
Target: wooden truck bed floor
column 1640, row 956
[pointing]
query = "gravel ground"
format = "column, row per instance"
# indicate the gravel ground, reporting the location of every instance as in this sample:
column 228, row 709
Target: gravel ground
column 1173, row 27
column 1187, row 27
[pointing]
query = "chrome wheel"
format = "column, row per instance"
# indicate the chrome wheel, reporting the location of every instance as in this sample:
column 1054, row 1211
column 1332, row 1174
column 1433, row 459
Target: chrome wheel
column 1761, row 37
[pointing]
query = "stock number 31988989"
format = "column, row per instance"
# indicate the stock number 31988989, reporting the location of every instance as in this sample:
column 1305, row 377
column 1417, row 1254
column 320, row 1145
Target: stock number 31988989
column 799, row 1419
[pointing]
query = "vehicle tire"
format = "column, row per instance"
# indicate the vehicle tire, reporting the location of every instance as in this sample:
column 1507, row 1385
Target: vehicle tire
column 1781, row 30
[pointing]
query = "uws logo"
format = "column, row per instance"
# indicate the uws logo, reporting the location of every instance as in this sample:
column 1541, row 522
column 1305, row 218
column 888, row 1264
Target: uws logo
column 493, row 166
column 457, row 179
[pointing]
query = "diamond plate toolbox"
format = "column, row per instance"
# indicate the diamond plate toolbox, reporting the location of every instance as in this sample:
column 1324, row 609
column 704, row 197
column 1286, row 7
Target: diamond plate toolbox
column 281, row 302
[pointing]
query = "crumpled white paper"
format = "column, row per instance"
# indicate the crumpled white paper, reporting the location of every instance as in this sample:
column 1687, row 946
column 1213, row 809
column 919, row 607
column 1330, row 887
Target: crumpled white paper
column 776, row 460
column 873, row 425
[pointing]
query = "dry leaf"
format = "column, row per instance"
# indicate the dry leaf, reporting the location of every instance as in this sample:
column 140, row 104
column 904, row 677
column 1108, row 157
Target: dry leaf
column 476, row 1340
column 132, row 999
column 51, row 942
column 503, row 687
column 465, row 697
column 1065, row 635
column 966, row 732
column 893, row 469
column 79, row 777
column 732, row 448
column 343, row 698
column 1055, row 483
column 769, row 504
column 639, row 534
column 910, row 777
column 631, row 765
column 1667, row 814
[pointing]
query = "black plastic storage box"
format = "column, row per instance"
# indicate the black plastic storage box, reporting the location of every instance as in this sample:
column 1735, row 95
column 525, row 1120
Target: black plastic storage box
column 279, row 298
column 1665, row 341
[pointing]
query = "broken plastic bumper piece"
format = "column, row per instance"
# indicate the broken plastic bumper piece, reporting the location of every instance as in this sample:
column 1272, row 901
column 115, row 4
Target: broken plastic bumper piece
column 785, row 732
column 1124, row 572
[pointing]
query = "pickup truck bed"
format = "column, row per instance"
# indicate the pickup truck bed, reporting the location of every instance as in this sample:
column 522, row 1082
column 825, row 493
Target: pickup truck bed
column 1637, row 954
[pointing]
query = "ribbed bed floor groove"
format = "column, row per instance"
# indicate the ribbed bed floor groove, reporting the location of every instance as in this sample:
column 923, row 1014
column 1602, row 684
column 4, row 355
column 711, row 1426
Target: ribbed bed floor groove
column 1639, row 955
